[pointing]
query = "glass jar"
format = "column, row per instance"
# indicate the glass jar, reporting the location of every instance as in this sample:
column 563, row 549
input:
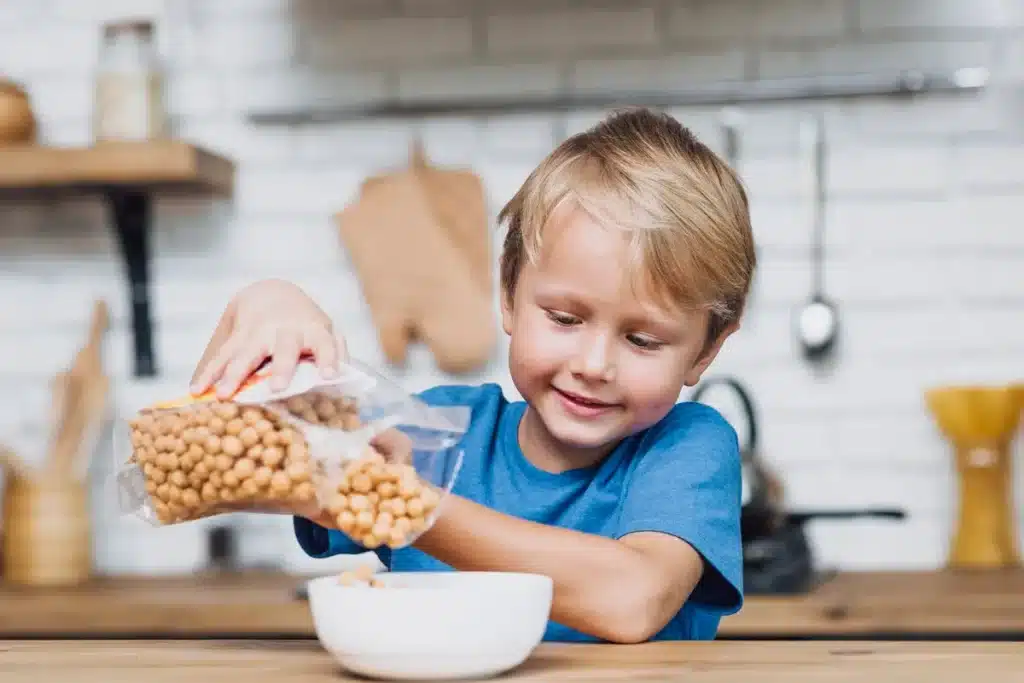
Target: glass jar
column 129, row 100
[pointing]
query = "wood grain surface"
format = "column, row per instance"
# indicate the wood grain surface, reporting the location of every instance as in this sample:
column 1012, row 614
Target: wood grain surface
column 264, row 605
column 718, row 662
column 166, row 164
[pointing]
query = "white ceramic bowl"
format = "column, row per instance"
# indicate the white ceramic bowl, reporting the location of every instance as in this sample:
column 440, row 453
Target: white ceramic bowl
column 431, row 625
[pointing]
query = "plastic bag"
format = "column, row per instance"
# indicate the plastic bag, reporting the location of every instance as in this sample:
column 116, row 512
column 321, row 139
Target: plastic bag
column 355, row 452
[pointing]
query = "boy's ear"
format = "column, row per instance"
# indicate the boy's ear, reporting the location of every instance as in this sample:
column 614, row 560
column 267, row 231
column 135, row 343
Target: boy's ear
column 708, row 356
column 506, row 311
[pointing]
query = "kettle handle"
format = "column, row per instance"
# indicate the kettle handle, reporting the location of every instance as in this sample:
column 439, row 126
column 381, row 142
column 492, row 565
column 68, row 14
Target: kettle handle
column 745, row 399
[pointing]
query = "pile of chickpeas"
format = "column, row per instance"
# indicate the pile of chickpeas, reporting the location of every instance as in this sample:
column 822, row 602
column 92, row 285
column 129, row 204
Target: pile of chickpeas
column 207, row 458
column 360, row 576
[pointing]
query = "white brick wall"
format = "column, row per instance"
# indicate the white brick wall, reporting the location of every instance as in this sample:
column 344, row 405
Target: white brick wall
column 925, row 247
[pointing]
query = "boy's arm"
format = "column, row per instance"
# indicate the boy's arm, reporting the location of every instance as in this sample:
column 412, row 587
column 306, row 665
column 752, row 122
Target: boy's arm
column 677, row 537
column 622, row 590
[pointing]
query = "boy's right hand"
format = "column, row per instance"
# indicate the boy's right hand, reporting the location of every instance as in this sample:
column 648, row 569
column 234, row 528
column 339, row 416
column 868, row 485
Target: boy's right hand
column 269, row 319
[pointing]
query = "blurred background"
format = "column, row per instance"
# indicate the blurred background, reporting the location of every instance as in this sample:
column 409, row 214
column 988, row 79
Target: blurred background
column 265, row 117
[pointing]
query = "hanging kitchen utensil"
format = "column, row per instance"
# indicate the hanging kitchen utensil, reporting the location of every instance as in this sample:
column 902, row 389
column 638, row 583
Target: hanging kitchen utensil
column 818, row 320
column 730, row 124
column 777, row 554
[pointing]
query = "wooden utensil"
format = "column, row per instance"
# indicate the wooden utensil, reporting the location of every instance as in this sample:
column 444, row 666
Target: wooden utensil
column 80, row 399
column 12, row 465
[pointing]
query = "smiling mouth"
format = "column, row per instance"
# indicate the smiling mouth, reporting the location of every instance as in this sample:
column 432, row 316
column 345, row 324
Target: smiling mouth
column 584, row 401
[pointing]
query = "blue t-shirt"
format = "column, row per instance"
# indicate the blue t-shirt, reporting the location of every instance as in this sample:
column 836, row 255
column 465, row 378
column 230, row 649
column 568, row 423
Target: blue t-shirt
column 679, row 477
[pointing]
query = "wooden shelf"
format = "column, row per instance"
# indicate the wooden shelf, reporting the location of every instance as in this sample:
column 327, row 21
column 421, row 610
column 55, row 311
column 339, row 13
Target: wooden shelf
column 127, row 174
column 163, row 165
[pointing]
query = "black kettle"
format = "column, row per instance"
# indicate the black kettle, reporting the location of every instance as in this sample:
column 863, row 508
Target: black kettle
column 777, row 555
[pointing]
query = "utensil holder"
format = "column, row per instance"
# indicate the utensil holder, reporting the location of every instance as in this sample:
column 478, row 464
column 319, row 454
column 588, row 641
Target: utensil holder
column 47, row 537
column 980, row 423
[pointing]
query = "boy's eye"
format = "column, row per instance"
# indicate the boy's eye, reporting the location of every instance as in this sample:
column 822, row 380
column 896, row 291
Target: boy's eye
column 563, row 318
column 644, row 342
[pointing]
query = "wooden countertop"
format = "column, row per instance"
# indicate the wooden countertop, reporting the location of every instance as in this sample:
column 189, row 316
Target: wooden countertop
column 865, row 605
column 718, row 662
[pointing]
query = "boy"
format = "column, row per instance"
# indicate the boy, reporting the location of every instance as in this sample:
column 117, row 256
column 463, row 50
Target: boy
column 626, row 265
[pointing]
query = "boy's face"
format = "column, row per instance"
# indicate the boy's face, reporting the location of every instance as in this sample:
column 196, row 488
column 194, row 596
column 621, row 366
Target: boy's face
column 596, row 358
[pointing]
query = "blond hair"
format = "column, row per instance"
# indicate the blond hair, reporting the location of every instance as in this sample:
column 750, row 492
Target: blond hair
column 685, row 211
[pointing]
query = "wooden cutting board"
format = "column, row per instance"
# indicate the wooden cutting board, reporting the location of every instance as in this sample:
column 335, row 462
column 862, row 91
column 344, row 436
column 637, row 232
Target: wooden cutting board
column 417, row 282
column 459, row 200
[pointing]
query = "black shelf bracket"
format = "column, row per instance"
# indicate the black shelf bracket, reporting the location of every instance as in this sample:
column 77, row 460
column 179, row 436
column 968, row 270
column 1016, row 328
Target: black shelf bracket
column 132, row 213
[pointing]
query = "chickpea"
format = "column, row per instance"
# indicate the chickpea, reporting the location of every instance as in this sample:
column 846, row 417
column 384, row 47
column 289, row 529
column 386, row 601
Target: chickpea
column 209, row 492
column 287, row 436
column 244, row 468
column 361, row 483
column 403, row 526
column 217, row 425
column 232, row 445
column 399, row 508
column 212, row 444
column 303, row 492
column 189, row 498
column 325, row 408
column 234, row 427
column 227, row 411
column 296, row 404
column 430, row 499
column 262, row 476
column 337, row 504
column 280, row 482
column 224, row 462
column 249, row 436
column 414, row 507
column 364, row 520
column 249, row 488
column 346, row 521
column 396, row 538
column 272, row 456
column 297, row 451
column 298, row 471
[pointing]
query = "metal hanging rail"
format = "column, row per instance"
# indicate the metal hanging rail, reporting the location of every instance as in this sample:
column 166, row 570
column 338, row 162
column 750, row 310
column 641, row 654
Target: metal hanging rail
column 903, row 83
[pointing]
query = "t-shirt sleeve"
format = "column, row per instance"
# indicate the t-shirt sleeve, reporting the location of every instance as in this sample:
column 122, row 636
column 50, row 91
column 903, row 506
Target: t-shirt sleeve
column 687, row 483
column 319, row 542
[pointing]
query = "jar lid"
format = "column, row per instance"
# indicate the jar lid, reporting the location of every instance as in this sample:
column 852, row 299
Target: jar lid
column 11, row 88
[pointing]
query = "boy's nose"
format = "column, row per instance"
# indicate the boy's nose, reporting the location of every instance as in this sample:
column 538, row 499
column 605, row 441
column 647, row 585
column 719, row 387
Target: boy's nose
column 594, row 361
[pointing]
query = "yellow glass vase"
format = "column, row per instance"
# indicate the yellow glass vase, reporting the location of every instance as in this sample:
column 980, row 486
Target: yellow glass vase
column 980, row 423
